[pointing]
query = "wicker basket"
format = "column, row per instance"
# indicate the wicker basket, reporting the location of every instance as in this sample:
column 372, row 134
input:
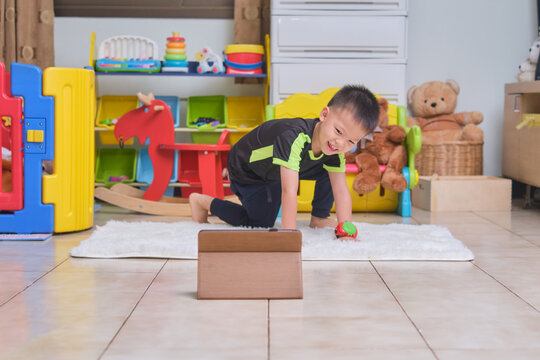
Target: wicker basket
column 450, row 158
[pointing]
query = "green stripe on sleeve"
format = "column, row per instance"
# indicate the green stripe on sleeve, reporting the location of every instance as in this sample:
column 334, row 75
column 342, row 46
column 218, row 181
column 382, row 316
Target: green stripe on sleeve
column 341, row 167
column 295, row 156
column 261, row 153
column 313, row 157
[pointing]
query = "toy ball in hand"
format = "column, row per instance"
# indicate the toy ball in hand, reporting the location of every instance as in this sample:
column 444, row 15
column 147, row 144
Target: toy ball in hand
column 346, row 229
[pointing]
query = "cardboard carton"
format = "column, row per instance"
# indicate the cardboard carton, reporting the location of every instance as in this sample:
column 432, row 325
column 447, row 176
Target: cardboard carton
column 521, row 138
column 462, row 193
column 250, row 264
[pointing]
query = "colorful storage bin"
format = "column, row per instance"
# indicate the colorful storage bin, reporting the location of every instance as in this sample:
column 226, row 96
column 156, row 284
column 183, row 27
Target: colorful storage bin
column 113, row 162
column 174, row 104
column 112, row 107
column 213, row 107
column 145, row 170
column 243, row 114
column 244, row 59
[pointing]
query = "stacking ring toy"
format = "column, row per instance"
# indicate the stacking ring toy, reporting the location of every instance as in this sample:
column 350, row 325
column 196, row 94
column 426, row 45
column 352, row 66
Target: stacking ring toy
column 175, row 57
column 176, row 45
column 175, row 51
column 176, row 38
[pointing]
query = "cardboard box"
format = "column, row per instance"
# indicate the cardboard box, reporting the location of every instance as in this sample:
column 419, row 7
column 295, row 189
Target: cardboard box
column 250, row 264
column 462, row 193
column 521, row 143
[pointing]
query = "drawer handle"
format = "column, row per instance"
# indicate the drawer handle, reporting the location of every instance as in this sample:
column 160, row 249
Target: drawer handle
column 339, row 51
column 516, row 107
column 333, row 3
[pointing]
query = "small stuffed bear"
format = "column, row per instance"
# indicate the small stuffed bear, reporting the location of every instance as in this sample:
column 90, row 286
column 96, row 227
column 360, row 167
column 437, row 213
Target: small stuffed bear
column 6, row 175
column 527, row 69
column 433, row 104
column 384, row 149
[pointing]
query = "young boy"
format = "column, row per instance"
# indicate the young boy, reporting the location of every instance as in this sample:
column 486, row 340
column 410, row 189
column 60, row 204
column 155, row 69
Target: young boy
column 265, row 166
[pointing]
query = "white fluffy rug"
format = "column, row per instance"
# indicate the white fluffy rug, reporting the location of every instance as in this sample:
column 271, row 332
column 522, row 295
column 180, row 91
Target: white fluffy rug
column 118, row 239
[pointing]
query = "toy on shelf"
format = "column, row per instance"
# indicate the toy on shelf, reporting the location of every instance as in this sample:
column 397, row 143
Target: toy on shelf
column 118, row 178
column 206, row 107
column 175, row 59
column 199, row 165
column 207, row 122
column 244, row 59
column 209, row 61
column 57, row 130
column 128, row 53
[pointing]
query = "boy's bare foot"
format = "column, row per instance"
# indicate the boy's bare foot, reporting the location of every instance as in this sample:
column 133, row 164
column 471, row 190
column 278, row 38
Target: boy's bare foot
column 200, row 206
column 317, row 222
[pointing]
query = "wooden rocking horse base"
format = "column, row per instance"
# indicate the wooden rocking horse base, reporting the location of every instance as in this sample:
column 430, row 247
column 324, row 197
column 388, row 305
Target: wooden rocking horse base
column 128, row 197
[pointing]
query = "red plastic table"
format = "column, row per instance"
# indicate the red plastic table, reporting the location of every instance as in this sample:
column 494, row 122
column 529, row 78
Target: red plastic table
column 202, row 164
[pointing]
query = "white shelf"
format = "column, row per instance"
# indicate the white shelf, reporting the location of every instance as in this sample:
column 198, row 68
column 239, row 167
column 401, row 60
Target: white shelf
column 188, row 130
column 173, row 184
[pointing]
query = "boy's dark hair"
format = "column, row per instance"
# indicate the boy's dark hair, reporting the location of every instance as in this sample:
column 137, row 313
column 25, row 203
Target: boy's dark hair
column 361, row 102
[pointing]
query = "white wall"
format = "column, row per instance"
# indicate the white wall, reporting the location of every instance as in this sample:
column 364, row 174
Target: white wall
column 478, row 43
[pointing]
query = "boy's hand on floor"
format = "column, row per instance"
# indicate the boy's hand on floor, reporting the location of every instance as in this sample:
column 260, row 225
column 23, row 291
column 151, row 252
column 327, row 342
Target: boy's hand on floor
column 346, row 230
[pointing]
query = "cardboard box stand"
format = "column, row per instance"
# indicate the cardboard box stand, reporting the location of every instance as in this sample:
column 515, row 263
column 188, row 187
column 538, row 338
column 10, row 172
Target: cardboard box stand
column 462, row 193
column 250, row 264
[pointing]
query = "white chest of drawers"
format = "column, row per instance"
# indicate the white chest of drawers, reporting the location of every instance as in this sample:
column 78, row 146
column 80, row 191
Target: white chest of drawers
column 318, row 44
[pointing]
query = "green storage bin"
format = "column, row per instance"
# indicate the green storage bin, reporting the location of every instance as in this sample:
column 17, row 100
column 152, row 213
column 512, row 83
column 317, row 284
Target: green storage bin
column 209, row 107
column 116, row 162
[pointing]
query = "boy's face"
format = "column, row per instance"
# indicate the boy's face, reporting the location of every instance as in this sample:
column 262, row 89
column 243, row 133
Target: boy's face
column 339, row 131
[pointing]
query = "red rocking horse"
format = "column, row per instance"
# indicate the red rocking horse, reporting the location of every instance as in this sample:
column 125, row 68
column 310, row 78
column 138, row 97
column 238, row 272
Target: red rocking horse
column 155, row 122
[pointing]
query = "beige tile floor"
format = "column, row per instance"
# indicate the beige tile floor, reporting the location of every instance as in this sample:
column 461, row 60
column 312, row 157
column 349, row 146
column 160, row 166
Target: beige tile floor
column 56, row 307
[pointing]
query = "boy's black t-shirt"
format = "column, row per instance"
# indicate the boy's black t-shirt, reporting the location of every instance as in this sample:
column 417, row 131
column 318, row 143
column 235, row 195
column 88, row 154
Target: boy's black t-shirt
column 256, row 158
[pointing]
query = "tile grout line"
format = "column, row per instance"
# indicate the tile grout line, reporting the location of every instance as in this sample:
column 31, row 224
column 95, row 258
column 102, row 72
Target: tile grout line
column 506, row 287
column 132, row 310
column 508, row 230
column 405, row 312
column 268, row 329
column 33, row 282
column 497, row 280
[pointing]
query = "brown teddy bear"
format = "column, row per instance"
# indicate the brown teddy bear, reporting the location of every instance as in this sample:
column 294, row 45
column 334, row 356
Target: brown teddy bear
column 384, row 149
column 6, row 175
column 433, row 104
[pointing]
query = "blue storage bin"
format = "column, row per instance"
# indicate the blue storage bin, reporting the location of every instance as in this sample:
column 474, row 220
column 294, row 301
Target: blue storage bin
column 174, row 104
column 145, row 172
column 169, row 192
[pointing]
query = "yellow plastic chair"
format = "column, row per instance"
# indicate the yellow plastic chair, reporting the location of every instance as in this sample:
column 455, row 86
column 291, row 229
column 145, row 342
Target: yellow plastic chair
column 379, row 200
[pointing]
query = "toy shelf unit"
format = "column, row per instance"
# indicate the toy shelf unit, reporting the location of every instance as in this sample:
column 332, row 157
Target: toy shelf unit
column 128, row 165
column 211, row 120
column 208, row 118
column 47, row 118
column 521, row 134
